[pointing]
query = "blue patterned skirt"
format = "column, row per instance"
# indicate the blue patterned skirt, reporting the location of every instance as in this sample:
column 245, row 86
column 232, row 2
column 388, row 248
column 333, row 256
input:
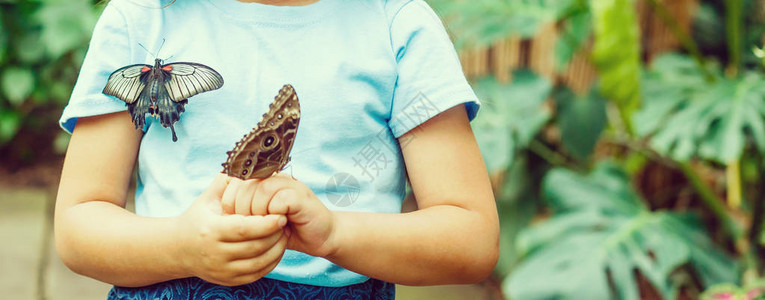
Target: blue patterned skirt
column 265, row 288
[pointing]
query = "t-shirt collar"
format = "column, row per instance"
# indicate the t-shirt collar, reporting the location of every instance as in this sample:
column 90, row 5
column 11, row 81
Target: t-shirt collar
column 263, row 13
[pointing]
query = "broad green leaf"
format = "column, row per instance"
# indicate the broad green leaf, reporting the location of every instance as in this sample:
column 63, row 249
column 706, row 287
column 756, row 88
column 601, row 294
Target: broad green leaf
column 670, row 81
column 566, row 269
column 29, row 48
column 713, row 266
column 599, row 235
column 604, row 189
column 10, row 123
column 536, row 237
column 493, row 135
column 575, row 31
column 481, row 23
column 513, row 216
column 66, row 25
column 3, row 39
column 616, row 52
column 581, row 120
column 17, row 84
column 686, row 116
column 511, row 116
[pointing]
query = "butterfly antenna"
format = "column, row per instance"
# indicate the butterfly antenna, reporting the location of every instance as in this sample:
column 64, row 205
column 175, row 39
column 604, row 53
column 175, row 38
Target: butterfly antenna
column 144, row 48
column 160, row 47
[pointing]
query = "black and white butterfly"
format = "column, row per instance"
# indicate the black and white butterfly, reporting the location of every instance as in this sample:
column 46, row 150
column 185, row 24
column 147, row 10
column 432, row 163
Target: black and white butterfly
column 161, row 90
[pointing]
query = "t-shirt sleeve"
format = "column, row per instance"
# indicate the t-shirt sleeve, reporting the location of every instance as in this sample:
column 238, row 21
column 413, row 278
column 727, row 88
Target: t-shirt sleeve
column 109, row 50
column 430, row 78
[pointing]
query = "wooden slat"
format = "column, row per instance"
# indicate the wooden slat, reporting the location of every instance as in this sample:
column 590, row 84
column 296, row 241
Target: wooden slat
column 542, row 51
column 580, row 73
column 657, row 37
column 505, row 57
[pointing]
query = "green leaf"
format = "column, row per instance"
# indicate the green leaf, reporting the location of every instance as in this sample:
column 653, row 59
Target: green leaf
column 17, row 84
column 66, row 25
column 3, row 39
column 600, row 234
column 671, row 79
column 513, row 216
column 28, row 48
column 10, row 123
column 481, row 23
column 581, row 120
column 567, row 269
column 511, row 116
column 686, row 116
column 575, row 31
column 616, row 53
column 61, row 142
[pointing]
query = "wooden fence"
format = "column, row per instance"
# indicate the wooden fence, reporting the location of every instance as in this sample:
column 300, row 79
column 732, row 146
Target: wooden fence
column 538, row 54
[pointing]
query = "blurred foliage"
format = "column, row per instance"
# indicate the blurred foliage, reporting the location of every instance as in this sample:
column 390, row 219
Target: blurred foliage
column 697, row 112
column 42, row 45
column 582, row 119
column 616, row 53
column 569, row 169
column 481, row 23
column 601, row 233
column 507, row 125
column 688, row 117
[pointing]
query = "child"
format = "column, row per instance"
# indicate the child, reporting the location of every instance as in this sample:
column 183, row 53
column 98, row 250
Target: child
column 382, row 98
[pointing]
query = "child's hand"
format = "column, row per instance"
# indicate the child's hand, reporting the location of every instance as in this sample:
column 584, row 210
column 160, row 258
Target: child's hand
column 228, row 249
column 310, row 223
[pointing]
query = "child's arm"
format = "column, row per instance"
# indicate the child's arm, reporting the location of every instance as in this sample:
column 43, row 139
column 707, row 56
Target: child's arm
column 97, row 237
column 452, row 238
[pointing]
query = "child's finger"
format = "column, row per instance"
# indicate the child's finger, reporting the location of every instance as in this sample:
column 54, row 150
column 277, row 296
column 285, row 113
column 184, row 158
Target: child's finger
column 244, row 198
column 262, row 263
column 285, row 202
column 266, row 190
column 228, row 197
column 236, row 228
column 217, row 187
column 259, row 205
column 252, row 248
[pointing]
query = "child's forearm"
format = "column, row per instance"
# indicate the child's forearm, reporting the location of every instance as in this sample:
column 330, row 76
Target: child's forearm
column 438, row 245
column 103, row 241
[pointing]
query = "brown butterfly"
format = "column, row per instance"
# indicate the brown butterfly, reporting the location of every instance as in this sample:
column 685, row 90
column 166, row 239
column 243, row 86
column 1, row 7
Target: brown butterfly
column 266, row 149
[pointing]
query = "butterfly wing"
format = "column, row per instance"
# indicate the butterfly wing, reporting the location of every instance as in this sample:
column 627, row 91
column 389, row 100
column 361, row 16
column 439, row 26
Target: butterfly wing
column 266, row 149
column 126, row 83
column 161, row 90
column 188, row 79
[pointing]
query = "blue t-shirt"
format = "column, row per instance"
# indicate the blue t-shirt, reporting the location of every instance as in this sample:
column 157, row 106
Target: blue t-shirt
column 366, row 72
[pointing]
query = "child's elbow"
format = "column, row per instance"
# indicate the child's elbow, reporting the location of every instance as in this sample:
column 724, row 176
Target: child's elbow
column 65, row 244
column 483, row 259
column 66, row 254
